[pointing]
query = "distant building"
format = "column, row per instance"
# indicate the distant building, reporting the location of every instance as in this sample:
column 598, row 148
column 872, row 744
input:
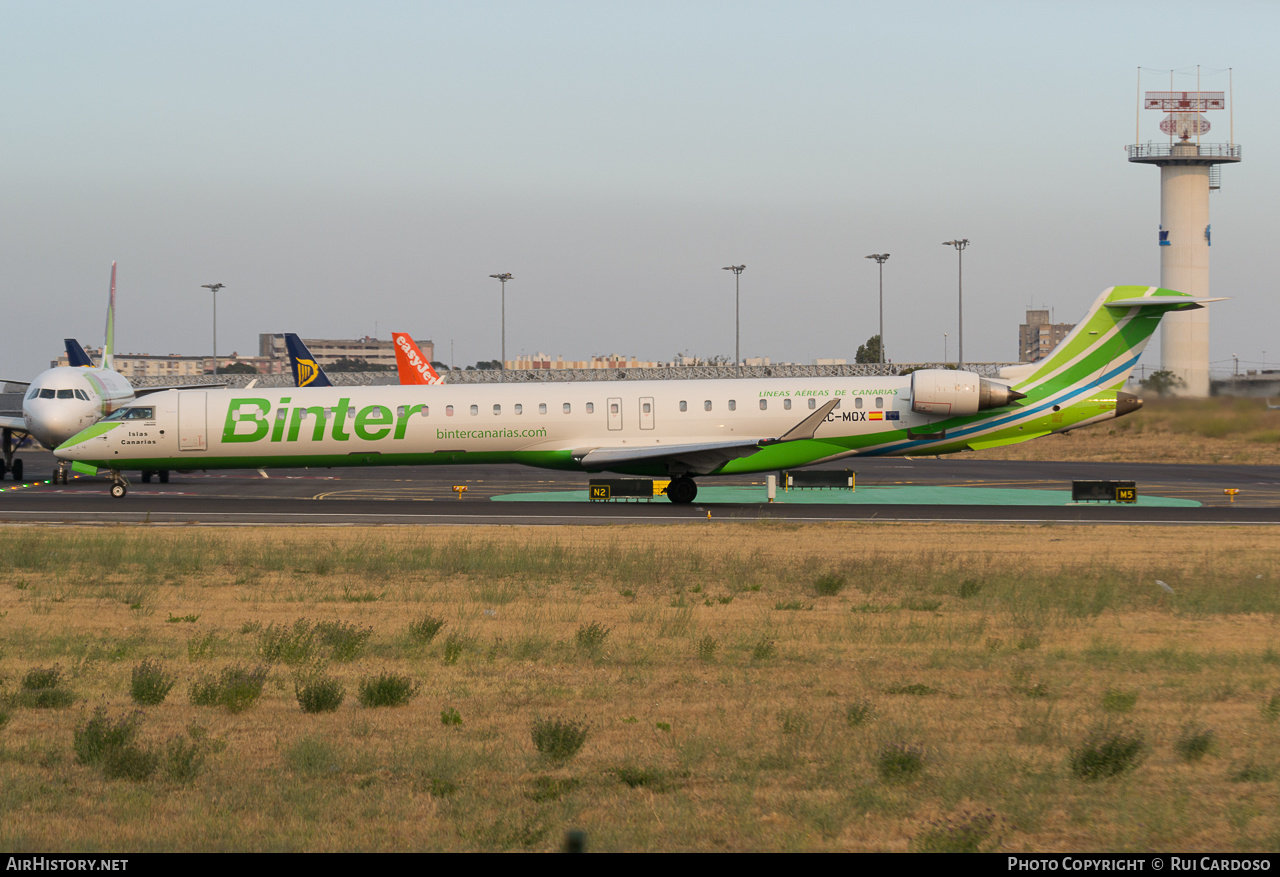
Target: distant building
column 1037, row 336
column 177, row 365
column 327, row 351
column 544, row 361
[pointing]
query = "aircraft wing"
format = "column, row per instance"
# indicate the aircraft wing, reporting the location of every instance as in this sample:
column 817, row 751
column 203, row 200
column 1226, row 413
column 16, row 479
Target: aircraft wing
column 698, row 458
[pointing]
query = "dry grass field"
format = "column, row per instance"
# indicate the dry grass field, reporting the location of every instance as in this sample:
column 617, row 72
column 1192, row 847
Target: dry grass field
column 729, row 687
column 1218, row 430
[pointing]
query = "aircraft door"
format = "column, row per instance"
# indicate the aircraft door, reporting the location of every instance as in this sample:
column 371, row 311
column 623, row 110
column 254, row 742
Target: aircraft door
column 192, row 421
column 646, row 412
column 615, row 413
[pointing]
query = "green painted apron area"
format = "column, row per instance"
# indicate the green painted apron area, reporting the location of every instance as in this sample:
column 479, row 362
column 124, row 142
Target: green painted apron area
column 990, row 496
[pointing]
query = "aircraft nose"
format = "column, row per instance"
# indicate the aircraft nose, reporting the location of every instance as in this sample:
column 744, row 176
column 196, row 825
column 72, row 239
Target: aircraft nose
column 51, row 424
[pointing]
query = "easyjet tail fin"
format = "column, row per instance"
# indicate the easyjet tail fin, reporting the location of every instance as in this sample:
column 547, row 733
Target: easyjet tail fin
column 414, row 368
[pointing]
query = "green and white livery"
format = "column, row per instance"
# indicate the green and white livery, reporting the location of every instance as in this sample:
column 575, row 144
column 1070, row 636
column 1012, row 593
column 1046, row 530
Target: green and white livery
column 680, row 429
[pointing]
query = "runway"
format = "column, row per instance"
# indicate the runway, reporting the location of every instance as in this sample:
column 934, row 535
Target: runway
column 425, row 495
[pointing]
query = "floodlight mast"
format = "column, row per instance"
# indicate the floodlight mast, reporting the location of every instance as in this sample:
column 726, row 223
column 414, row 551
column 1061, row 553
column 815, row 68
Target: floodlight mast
column 737, row 318
column 959, row 244
column 881, row 258
column 214, row 287
column 503, row 278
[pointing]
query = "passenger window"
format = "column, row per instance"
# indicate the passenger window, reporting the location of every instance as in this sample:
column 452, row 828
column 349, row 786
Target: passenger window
column 786, row 404
column 542, row 407
column 857, row 403
column 648, row 408
column 399, row 411
column 448, row 411
column 706, row 406
column 813, row 403
column 351, row 413
column 425, row 411
column 684, row 406
column 591, row 408
column 733, row 404
column 497, row 409
column 475, row 409
column 764, row 404
column 566, row 408
column 879, row 401
column 282, row 413
column 613, row 407
column 519, row 408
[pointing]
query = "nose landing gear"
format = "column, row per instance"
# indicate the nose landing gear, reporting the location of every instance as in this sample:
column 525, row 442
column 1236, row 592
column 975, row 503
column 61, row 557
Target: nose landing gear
column 119, row 487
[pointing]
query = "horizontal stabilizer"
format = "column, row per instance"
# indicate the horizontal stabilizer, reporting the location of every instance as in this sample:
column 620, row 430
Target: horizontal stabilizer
column 1179, row 302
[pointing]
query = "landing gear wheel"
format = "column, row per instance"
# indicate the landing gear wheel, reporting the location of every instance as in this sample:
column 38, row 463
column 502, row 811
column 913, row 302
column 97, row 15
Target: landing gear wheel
column 164, row 476
column 146, row 476
column 17, row 470
column 118, row 490
column 682, row 490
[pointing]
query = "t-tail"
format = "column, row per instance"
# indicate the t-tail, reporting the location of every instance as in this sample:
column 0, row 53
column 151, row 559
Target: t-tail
column 1101, row 351
column 76, row 355
column 109, row 342
column 306, row 371
column 414, row 368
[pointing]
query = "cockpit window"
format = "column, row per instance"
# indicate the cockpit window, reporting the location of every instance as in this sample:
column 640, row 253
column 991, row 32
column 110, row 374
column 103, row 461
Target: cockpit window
column 66, row 394
column 33, row 392
column 132, row 414
column 47, row 394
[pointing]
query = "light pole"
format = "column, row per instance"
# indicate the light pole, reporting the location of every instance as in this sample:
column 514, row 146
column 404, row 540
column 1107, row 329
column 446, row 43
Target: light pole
column 881, row 258
column 214, row 287
column 960, row 245
column 944, row 348
column 737, row 320
column 503, row 278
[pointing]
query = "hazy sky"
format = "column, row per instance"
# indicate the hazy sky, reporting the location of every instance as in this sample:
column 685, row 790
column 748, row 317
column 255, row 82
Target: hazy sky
column 349, row 168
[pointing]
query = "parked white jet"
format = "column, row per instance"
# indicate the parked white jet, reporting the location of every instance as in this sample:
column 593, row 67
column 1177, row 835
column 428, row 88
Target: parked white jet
column 679, row 429
column 63, row 400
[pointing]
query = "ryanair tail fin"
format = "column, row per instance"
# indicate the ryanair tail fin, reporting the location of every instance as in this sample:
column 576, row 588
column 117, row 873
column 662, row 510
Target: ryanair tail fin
column 306, row 371
column 1101, row 351
column 414, row 368
column 76, row 355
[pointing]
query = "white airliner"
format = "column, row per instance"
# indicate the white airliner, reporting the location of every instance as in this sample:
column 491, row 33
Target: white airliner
column 61, row 401
column 679, row 429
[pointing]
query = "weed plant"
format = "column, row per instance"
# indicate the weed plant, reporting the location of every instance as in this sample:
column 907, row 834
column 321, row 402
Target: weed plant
column 764, row 649
column 450, row 717
column 454, row 645
column 150, row 684
column 558, row 739
column 828, row 584
column 859, row 713
column 387, row 689
column 94, row 737
column 590, row 637
column 900, row 762
column 346, row 642
column 42, row 688
column 1107, row 753
column 1194, row 743
column 707, row 647
column 287, row 644
column 424, row 629
column 1116, row 701
column 318, row 693
column 236, row 688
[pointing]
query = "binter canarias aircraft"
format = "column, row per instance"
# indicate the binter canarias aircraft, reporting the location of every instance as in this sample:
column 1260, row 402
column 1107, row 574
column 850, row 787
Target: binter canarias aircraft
column 681, row 429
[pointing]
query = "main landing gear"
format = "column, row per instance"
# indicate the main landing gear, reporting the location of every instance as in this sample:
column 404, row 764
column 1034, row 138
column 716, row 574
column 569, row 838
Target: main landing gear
column 9, row 464
column 161, row 474
column 682, row 490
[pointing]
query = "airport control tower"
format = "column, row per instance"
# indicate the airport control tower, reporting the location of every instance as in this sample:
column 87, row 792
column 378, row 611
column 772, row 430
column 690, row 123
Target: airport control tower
column 1189, row 170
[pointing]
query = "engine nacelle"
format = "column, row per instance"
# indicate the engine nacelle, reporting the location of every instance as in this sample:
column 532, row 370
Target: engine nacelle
column 941, row 391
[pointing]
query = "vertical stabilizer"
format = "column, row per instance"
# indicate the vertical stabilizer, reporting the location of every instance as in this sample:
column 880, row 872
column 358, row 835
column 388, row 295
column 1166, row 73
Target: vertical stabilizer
column 109, row 343
column 306, row 371
column 413, row 367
